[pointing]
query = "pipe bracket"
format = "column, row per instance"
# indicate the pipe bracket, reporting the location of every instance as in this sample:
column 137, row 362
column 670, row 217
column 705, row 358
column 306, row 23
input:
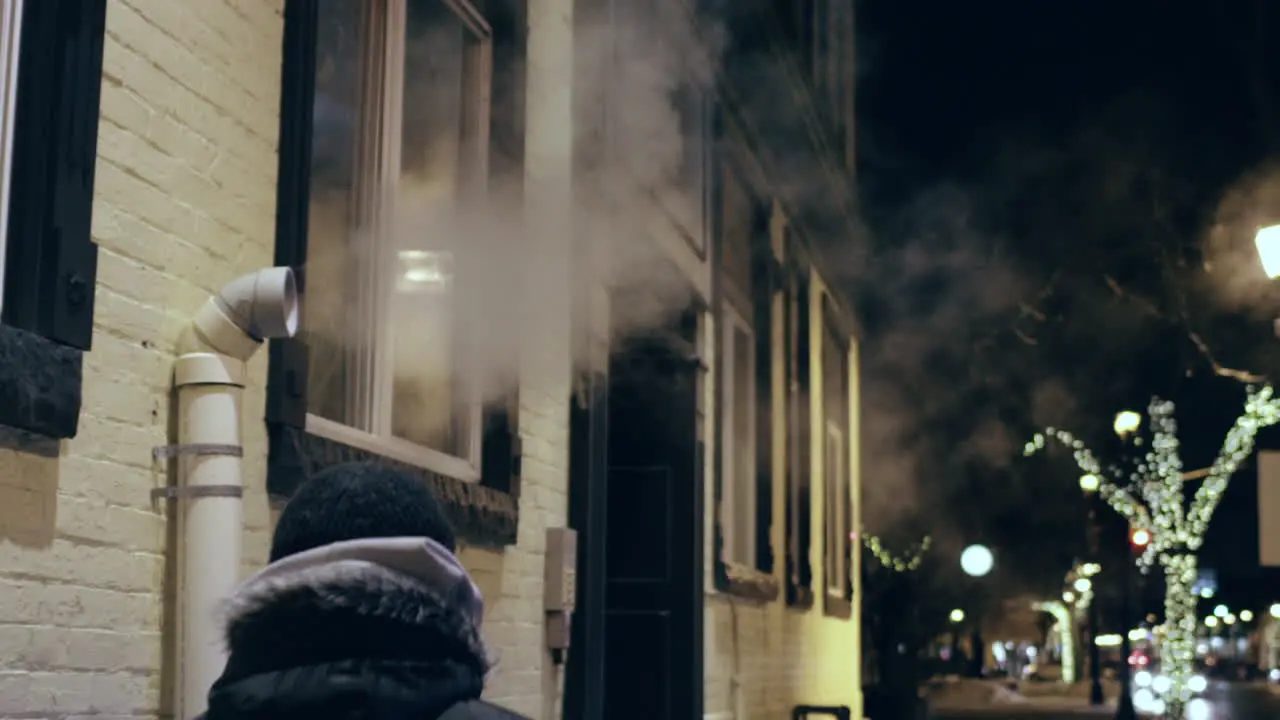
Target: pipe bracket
column 168, row 452
column 172, row 492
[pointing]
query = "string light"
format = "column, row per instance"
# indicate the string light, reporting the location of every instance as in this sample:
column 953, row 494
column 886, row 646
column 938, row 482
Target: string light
column 907, row 562
column 1151, row 497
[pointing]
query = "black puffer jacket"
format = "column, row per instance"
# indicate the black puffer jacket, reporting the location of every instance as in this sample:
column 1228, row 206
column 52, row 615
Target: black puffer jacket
column 357, row 630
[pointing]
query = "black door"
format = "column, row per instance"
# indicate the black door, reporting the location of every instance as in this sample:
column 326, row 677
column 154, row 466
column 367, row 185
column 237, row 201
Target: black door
column 653, row 549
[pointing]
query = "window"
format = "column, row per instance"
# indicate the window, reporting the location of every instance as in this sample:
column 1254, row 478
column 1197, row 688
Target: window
column 836, row 513
column 745, row 477
column 50, row 84
column 388, row 143
column 738, row 502
column 837, row 495
column 398, row 155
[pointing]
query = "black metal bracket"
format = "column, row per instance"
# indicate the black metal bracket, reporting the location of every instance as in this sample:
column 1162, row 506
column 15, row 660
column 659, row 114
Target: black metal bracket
column 168, row 452
column 173, row 492
column 177, row 492
column 839, row 712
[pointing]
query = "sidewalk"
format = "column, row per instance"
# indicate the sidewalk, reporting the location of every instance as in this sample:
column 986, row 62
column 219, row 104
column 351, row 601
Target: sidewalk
column 955, row 694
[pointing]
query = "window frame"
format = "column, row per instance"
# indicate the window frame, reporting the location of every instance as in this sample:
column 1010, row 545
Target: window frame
column 10, row 51
column 751, row 309
column 479, row 492
column 835, row 515
column 738, row 489
column 383, row 101
column 837, row 542
column 49, row 262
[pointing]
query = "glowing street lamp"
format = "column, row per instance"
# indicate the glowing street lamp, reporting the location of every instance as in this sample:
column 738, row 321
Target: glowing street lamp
column 1275, row 611
column 1068, row 597
column 1246, row 616
column 1090, row 483
column 1127, row 422
column 1268, row 243
column 1221, row 611
column 957, row 616
column 1229, row 619
column 977, row 561
column 1083, row 585
column 1211, row 622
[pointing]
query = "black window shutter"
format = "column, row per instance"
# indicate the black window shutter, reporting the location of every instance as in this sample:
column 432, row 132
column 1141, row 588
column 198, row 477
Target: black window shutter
column 501, row 451
column 289, row 364
column 52, row 260
column 765, row 282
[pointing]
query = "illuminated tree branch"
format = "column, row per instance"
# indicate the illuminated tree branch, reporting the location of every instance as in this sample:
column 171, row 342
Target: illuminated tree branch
column 907, row 562
column 1176, row 531
column 1261, row 410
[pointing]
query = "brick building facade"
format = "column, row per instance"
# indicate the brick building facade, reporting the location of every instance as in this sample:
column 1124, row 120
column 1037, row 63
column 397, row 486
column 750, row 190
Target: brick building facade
column 157, row 150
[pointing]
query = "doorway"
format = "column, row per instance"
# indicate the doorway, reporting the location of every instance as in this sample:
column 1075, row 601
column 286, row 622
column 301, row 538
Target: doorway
column 636, row 498
column 653, row 549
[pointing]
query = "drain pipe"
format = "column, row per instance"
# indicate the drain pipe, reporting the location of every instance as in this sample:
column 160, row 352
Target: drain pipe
column 209, row 376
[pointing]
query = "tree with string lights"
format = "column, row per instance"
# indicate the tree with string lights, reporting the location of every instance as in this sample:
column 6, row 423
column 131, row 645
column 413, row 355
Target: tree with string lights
column 1152, row 496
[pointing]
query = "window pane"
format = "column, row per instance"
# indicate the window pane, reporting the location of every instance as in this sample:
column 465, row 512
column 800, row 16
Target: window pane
column 744, row 454
column 329, row 304
column 835, row 499
column 380, row 301
column 428, row 404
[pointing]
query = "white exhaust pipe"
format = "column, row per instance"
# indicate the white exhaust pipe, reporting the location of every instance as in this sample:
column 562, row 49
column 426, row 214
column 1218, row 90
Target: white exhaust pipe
column 209, row 376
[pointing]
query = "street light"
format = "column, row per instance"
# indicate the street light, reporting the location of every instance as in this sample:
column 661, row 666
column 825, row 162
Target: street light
column 977, row 561
column 1221, row 611
column 1089, row 483
column 957, row 616
column 1246, row 616
column 1127, row 422
column 1268, row 243
column 1068, row 597
column 1275, row 611
column 1083, row 585
column 1211, row 622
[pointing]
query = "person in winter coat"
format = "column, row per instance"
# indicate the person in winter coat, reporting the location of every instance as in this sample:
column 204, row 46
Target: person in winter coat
column 363, row 612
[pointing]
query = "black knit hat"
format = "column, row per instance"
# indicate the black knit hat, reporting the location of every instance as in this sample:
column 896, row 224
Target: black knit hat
column 359, row 500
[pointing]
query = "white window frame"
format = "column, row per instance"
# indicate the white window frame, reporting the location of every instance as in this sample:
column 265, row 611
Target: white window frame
column 371, row 396
column 836, row 510
column 738, row 484
column 10, row 44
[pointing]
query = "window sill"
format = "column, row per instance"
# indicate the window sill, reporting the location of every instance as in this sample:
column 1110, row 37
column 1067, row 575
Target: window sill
column 747, row 583
column 401, row 451
column 837, row 606
column 40, row 382
column 481, row 516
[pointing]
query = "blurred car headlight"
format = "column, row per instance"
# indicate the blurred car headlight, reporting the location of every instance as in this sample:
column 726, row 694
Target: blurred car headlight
column 1274, row 675
column 1161, row 684
column 1197, row 684
column 1142, row 678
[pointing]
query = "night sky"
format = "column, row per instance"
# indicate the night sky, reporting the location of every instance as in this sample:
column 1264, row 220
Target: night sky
column 1057, row 143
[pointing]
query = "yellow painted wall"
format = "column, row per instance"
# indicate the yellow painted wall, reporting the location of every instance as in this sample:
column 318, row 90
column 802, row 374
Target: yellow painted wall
column 762, row 659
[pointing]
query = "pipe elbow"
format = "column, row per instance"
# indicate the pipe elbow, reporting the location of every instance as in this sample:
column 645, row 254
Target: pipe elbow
column 244, row 313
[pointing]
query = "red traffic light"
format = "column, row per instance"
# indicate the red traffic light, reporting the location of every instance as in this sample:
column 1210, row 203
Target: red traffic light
column 1140, row 538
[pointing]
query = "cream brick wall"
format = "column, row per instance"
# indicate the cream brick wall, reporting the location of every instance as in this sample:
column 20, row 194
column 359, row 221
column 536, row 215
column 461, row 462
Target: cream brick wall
column 185, row 201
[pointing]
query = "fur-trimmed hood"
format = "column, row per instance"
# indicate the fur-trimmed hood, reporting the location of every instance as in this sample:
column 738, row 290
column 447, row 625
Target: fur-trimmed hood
column 387, row 625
